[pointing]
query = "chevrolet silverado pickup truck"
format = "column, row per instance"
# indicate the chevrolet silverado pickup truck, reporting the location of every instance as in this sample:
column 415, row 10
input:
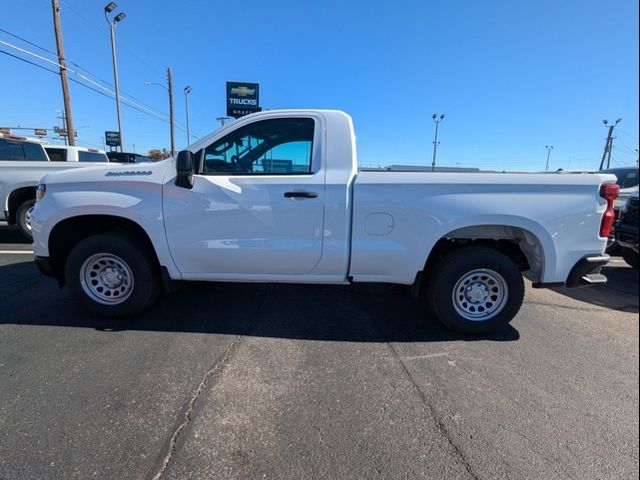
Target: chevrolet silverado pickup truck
column 277, row 197
column 23, row 162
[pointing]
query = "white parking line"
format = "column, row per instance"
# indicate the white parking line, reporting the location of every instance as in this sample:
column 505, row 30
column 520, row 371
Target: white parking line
column 16, row 252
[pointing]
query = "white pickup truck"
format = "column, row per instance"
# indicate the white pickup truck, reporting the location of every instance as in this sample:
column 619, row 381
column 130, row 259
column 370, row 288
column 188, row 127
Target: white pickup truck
column 277, row 197
column 23, row 162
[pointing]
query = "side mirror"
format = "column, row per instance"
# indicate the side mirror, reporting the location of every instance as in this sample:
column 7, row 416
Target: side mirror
column 184, row 169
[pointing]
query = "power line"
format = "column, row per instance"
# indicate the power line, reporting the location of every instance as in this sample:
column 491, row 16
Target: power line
column 108, row 95
column 96, row 27
column 72, row 63
column 28, row 61
column 628, row 134
column 151, row 109
column 28, row 42
column 139, row 106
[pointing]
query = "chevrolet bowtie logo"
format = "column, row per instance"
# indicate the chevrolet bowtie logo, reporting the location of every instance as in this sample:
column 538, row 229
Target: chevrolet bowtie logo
column 243, row 91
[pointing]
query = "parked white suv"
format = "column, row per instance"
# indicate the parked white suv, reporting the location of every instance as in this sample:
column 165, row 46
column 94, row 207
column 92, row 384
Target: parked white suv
column 66, row 153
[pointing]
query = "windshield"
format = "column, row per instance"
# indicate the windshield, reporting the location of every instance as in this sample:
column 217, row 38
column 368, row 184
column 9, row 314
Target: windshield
column 626, row 177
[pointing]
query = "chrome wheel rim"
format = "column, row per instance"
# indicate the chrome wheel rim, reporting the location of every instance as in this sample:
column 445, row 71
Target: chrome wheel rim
column 106, row 278
column 27, row 218
column 480, row 295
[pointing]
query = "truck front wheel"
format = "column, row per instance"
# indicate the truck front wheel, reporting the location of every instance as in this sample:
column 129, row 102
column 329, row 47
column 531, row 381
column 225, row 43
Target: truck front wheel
column 23, row 217
column 112, row 274
column 475, row 290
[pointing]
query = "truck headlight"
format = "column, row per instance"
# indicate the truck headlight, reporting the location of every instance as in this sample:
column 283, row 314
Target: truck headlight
column 41, row 190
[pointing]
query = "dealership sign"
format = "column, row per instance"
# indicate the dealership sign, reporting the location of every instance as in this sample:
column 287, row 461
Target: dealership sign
column 242, row 99
column 112, row 138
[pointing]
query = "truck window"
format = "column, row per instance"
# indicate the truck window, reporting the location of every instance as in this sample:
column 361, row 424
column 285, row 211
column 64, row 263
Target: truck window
column 57, row 154
column 271, row 147
column 21, row 151
column 92, row 157
column 629, row 180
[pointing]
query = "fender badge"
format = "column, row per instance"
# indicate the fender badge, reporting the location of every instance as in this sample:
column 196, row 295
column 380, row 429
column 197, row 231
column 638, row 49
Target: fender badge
column 129, row 173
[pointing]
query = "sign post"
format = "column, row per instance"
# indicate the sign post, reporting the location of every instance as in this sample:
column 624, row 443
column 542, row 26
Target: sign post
column 242, row 99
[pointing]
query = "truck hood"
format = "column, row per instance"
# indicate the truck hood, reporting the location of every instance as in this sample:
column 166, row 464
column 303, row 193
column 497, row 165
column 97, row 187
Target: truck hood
column 143, row 172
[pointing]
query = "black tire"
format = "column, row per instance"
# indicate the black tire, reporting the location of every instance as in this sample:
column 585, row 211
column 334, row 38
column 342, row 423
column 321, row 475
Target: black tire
column 458, row 265
column 630, row 257
column 127, row 250
column 23, row 217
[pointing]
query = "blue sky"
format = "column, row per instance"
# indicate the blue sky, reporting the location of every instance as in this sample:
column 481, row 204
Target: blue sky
column 511, row 76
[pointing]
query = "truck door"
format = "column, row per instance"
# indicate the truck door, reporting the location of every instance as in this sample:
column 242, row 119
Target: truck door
column 257, row 204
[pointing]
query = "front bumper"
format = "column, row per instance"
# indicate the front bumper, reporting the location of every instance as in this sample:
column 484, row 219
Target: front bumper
column 45, row 267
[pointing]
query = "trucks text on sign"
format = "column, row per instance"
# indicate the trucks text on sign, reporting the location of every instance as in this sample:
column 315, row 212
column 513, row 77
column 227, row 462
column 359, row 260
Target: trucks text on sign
column 242, row 99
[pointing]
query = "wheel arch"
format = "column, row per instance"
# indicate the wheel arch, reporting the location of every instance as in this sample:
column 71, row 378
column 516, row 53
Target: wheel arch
column 529, row 246
column 67, row 233
column 16, row 198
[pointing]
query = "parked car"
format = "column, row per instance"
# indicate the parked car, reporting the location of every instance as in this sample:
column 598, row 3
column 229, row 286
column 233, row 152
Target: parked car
column 18, row 148
column 627, row 180
column 627, row 231
column 277, row 197
column 127, row 157
column 23, row 162
column 67, row 153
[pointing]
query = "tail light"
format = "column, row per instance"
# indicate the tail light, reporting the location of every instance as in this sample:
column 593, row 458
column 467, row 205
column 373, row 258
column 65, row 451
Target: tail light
column 609, row 192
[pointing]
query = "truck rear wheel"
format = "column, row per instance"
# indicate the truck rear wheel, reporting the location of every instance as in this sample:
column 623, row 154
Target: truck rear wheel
column 23, row 217
column 475, row 290
column 112, row 274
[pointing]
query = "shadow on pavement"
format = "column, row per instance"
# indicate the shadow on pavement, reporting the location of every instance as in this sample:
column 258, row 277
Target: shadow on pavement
column 12, row 235
column 356, row 313
column 619, row 293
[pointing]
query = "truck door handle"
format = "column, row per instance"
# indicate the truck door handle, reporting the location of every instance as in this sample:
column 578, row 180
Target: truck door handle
column 300, row 194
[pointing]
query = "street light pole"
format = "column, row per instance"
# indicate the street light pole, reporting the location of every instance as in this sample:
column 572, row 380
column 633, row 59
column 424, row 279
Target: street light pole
column 549, row 148
column 112, row 27
column 187, row 91
column 437, row 120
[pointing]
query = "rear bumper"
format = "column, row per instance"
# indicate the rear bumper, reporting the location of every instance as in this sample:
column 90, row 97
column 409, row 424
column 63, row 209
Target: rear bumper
column 585, row 273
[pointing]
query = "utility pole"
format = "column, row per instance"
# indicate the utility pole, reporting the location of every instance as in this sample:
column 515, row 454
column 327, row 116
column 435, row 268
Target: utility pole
column 608, row 146
column 63, row 73
column 112, row 28
column 549, row 148
column 222, row 120
column 171, row 116
column 437, row 120
column 187, row 91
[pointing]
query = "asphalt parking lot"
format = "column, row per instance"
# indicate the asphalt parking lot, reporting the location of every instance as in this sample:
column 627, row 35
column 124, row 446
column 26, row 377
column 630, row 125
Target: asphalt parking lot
column 292, row 381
